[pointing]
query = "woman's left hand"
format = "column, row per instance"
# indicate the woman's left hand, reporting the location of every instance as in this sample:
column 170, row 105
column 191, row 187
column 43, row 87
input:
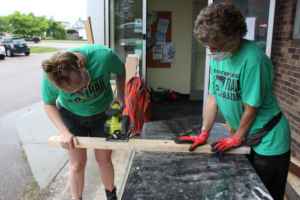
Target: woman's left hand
column 121, row 103
column 226, row 144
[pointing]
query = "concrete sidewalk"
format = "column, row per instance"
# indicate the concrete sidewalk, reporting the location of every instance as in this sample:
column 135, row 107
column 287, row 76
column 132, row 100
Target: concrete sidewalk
column 50, row 165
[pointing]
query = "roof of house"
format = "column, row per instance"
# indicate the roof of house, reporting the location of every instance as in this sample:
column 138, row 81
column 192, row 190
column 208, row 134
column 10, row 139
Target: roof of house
column 82, row 21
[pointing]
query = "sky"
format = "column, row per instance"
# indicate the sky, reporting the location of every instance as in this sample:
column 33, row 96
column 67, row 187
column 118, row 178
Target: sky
column 61, row 10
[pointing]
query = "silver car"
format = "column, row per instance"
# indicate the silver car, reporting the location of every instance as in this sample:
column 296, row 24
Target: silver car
column 2, row 51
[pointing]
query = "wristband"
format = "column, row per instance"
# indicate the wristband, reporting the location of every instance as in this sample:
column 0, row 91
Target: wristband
column 237, row 134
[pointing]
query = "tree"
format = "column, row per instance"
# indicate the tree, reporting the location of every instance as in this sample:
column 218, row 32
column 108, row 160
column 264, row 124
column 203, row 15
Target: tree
column 58, row 31
column 2, row 23
column 24, row 25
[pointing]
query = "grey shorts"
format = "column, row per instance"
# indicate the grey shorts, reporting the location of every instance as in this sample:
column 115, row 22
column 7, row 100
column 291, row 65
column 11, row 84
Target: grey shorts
column 92, row 126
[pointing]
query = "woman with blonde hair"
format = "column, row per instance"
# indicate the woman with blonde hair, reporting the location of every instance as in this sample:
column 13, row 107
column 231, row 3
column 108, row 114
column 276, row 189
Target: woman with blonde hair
column 76, row 92
column 241, row 86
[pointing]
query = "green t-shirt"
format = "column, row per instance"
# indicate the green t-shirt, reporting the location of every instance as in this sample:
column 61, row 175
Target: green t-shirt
column 100, row 62
column 248, row 77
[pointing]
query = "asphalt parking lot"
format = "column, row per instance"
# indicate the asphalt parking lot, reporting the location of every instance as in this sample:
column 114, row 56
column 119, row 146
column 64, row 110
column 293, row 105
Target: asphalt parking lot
column 20, row 80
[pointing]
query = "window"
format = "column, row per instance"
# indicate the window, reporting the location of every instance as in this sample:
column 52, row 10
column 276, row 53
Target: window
column 20, row 40
column 297, row 22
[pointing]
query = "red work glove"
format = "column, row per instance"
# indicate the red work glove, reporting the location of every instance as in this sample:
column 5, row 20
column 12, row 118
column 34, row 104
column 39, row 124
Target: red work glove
column 226, row 144
column 195, row 140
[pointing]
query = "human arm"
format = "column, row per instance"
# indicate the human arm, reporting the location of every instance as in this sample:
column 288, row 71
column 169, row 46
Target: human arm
column 67, row 139
column 246, row 120
column 211, row 109
column 120, row 81
column 237, row 139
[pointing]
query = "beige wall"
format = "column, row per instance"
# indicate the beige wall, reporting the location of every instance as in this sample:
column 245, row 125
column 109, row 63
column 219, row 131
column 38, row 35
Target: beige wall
column 177, row 77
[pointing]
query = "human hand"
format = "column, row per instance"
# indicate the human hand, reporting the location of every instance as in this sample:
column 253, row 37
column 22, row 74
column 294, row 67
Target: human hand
column 226, row 144
column 194, row 140
column 67, row 140
column 121, row 103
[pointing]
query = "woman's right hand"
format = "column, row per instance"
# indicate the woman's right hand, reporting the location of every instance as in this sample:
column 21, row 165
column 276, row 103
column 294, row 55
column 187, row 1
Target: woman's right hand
column 67, row 140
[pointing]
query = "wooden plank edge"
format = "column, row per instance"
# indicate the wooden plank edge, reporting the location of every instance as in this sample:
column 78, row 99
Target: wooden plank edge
column 295, row 161
column 294, row 181
column 128, row 167
column 144, row 145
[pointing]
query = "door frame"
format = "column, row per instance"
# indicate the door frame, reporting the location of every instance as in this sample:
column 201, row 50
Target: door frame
column 106, row 36
column 195, row 95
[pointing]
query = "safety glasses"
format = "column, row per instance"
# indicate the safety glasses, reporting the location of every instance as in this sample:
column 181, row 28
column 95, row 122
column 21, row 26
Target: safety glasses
column 83, row 80
column 212, row 49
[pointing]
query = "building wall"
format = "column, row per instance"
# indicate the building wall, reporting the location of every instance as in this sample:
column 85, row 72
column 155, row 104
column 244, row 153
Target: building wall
column 285, row 57
column 78, row 24
column 95, row 10
column 177, row 77
column 65, row 25
column 82, row 33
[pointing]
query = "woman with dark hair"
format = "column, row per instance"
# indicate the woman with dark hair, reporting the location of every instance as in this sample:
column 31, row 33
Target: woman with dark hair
column 76, row 92
column 241, row 86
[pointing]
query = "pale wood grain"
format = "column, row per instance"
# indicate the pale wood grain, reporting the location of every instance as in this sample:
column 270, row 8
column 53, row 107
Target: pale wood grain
column 143, row 145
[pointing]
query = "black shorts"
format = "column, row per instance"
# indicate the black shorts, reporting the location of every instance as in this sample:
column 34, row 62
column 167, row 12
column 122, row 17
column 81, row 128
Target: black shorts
column 92, row 126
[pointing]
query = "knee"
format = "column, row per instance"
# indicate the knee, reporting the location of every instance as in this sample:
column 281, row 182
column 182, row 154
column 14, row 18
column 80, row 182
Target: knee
column 78, row 167
column 104, row 162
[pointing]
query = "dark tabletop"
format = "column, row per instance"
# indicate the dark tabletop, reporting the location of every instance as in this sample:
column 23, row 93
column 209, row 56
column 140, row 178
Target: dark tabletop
column 168, row 175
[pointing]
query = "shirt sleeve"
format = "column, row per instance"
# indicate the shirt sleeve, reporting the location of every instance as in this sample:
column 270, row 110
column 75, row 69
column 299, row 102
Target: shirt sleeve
column 49, row 92
column 116, row 66
column 255, row 82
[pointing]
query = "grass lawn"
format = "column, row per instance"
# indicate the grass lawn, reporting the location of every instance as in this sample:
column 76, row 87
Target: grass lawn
column 63, row 41
column 42, row 49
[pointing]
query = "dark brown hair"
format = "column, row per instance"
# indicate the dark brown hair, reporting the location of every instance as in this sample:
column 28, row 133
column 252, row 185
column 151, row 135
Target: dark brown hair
column 60, row 67
column 218, row 21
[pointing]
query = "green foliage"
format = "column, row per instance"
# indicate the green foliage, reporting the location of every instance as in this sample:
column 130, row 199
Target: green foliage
column 24, row 25
column 35, row 183
column 58, row 31
column 35, row 49
column 2, row 23
column 21, row 144
column 61, row 41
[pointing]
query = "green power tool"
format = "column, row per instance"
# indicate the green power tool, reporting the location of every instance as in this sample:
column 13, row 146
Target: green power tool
column 117, row 126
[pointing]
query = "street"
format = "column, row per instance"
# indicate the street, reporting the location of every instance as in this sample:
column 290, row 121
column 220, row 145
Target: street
column 20, row 80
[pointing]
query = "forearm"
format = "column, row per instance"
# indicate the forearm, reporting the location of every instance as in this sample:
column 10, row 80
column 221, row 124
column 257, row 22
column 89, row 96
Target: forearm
column 246, row 120
column 120, row 81
column 211, row 109
column 53, row 114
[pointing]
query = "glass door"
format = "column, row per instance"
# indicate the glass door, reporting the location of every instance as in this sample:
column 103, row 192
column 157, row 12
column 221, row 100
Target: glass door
column 198, row 60
column 257, row 19
column 127, row 30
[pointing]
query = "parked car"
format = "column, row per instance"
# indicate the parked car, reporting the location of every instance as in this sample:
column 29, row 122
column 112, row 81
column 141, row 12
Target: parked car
column 2, row 51
column 15, row 45
column 35, row 39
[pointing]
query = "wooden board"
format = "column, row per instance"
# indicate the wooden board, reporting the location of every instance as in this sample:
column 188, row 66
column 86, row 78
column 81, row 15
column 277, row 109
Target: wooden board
column 294, row 181
column 230, row 129
column 114, row 88
column 89, row 31
column 295, row 161
column 130, row 65
column 150, row 63
column 295, row 166
column 143, row 145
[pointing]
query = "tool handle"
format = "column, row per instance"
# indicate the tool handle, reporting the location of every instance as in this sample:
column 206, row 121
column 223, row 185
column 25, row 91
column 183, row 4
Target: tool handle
column 124, row 124
column 114, row 111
